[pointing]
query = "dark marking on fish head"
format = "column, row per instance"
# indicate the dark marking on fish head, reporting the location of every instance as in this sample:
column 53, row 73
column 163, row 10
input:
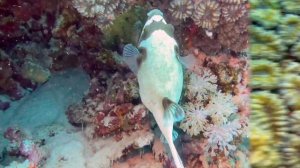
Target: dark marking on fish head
column 148, row 30
column 142, row 57
column 154, row 12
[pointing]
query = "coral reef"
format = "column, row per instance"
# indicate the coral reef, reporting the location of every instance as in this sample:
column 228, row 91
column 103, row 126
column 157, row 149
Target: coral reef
column 275, row 79
column 112, row 112
column 146, row 160
column 207, row 14
column 265, row 74
column 222, row 23
column 268, row 18
column 181, row 9
column 21, row 145
column 289, row 30
column 110, row 126
column 103, row 12
column 212, row 114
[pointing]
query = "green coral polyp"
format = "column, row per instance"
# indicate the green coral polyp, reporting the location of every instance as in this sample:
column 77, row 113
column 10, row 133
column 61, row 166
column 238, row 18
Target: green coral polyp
column 268, row 18
column 291, row 89
column 265, row 44
column 289, row 29
column 291, row 6
column 269, row 111
column 265, row 74
column 295, row 51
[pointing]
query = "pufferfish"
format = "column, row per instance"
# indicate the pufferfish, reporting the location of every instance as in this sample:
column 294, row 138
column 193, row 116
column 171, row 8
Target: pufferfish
column 160, row 74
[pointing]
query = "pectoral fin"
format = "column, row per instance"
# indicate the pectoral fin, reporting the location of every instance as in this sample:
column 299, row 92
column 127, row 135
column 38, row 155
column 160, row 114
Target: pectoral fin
column 189, row 62
column 130, row 57
column 173, row 112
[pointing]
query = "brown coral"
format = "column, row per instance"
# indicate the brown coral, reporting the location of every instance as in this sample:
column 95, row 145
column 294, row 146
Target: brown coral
column 232, row 13
column 207, row 14
column 181, row 9
column 234, row 35
column 232, row 1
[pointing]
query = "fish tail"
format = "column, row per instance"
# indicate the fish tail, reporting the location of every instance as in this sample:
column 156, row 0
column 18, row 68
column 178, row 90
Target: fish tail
column 175, row 155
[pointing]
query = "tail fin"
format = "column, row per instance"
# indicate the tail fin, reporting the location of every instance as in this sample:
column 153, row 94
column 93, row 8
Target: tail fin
column 175, row 155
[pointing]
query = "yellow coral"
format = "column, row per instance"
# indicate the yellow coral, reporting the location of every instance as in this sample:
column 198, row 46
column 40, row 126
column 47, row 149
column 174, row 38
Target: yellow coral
column 233, row 1
column 265, row 156
column 269, row 111
column 262, row 152
column 290, row 89
column 289, row 66
column 265, row 74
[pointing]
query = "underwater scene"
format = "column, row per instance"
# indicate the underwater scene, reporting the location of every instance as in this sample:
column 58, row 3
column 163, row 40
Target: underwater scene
column 148, row 84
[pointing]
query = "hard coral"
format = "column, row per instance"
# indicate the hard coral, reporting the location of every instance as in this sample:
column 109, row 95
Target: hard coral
column 266, row 44
column 181, row 9
column 232, row 1
column 207, row 14
column 296, row 50
column 268, row 18
column 290, row 85
column 232, row 13
column 234, row 35
column 289, row 29
column 269, row 111
column 265, row 74
column 103, row 12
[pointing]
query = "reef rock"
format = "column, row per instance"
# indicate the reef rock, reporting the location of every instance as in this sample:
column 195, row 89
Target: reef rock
column 47, row 104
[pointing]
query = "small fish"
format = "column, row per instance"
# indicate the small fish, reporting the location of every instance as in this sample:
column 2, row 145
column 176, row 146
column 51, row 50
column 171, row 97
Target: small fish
column 160, row 74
